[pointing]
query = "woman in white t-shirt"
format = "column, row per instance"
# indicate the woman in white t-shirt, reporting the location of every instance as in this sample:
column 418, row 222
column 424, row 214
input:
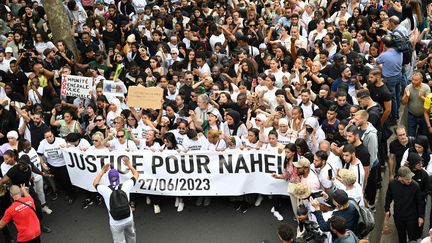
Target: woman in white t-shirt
column 251, row 140
column 149, row 143
column 215, row 142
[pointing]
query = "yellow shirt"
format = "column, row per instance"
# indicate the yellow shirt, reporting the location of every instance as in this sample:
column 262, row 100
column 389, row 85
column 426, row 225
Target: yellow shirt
column 43, row 81
column 427, row 105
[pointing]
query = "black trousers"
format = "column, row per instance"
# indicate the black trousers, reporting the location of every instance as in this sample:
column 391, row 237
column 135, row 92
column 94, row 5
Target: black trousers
column 5, row 202
column 61, row 176
column 371, row 187
column 407, row 226
column 35, row 240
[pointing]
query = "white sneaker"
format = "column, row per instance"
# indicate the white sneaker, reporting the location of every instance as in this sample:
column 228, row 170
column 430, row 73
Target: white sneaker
column 156, row 209
column 177, row 202
column 207, row 201
column 259, row 200
column 148, row 201
column 272, row 210
column 278, row 215
column 180, row 207
column 46, row 209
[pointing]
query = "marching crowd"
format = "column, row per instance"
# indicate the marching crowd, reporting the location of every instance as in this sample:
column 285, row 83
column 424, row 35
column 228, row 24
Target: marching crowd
column 319, row 82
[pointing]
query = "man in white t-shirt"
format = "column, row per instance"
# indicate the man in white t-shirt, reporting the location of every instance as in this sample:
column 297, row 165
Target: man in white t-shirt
column 324, row 171
column 353, row 164
column 195, row 142
column 123, row 230
column 50, row 151
column 308, row 177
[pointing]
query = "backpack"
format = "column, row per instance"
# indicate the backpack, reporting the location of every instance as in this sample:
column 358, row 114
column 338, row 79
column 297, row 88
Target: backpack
column 402, row 44
column 366, row 221
column 119, row 204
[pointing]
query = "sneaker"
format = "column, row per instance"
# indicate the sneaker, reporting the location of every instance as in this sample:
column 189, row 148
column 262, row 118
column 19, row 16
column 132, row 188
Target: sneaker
column 272, row 210
column 99, row 200
column 199, row 201
column 46, row 209
column 259, row 200
column 87, row 203
column 207, row 201
column 45, row 229
column 278, row 215
column 243, row 209
column 148, row 201
column 177, row 201
column 180, row 207
column 156, row 209
column 54, row 196
column 132, row 205
column 237, row 207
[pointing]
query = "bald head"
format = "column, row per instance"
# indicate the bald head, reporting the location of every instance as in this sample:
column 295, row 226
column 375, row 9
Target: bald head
column 393, row 22
column 15, row 191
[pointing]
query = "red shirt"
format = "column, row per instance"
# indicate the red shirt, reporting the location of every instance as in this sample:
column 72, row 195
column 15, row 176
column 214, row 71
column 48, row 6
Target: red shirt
column 25, row 219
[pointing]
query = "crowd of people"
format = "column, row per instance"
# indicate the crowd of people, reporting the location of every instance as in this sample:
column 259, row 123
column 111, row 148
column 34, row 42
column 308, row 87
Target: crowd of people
column 319, row 82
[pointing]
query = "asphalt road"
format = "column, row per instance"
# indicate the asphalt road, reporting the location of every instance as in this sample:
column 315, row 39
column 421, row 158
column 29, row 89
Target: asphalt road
column 213, row 224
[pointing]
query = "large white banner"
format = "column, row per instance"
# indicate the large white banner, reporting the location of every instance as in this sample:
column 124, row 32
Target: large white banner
column 76, row 86
column 195, row 173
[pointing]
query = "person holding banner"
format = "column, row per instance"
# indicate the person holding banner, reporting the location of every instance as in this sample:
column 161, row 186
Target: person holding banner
column 291, row 175
column 50, row 152
column 123, row 230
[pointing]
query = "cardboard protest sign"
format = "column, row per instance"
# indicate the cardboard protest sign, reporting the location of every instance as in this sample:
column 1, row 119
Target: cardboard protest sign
column 146, row 98
column 76, row 86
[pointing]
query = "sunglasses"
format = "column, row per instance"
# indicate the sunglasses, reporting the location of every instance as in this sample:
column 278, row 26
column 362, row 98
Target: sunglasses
column 188, row 79
column 122, row 136
column 98, row 120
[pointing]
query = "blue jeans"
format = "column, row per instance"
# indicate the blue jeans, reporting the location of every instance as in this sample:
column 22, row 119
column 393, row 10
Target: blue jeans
column 413, row 123
column 394, row 86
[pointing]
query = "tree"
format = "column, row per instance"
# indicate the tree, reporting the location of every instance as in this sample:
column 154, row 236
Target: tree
column 60, row 24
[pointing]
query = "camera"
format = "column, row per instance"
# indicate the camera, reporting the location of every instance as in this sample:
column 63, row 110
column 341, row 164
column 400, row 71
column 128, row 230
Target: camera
column 302, row 69
column 312, row 232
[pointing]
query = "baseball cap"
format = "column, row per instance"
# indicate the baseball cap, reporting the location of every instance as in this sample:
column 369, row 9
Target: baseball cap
column 114, row 177
column 8, row 49
column 303, row 162
column 405, row 172
column 340, row 196
column 216, row 113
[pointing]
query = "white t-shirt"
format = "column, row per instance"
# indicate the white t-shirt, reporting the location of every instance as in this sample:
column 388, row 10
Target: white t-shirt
column 115, row 145
column 52, row 152
column 35, row 159
column 358, row 171
column 105, row 192
column 27, row 133
column 200, row 144
column 356, row 192
column 179, row 137
column 219, row 145
column 143, row 146
column 5, row 168
column 93, row 149
column 323, row 175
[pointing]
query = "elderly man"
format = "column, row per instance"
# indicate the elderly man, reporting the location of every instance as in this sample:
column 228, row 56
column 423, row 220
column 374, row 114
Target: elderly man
column 199, row 116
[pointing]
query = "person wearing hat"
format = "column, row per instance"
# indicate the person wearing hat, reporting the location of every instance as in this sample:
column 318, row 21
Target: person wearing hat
column 343, row 208
column 306, row 175
column 214, row 119
column 408, row 205
column 122, row 230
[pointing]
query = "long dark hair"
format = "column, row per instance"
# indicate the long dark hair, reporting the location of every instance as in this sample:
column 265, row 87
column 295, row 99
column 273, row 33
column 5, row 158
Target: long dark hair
column 293, row 148
column 171, row 138
column 422, row 141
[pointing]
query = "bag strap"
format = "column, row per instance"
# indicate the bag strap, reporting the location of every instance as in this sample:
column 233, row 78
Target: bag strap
column 28, row 205
column 358, row 171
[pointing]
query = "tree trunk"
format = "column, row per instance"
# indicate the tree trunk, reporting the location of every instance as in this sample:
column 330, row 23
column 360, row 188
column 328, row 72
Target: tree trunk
column 60, row 25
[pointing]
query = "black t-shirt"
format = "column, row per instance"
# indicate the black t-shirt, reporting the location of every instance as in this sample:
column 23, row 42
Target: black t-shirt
column 19, row 177
column 379, row 94
column 362, row 154
column 37, row 133
column 398, row 150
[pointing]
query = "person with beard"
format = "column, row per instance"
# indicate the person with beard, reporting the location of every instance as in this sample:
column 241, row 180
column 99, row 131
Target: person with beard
column 324, row 171
column 98, row 63
column 408, row 207
column 35, row 124
column 353, row 164
column 344, row 78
